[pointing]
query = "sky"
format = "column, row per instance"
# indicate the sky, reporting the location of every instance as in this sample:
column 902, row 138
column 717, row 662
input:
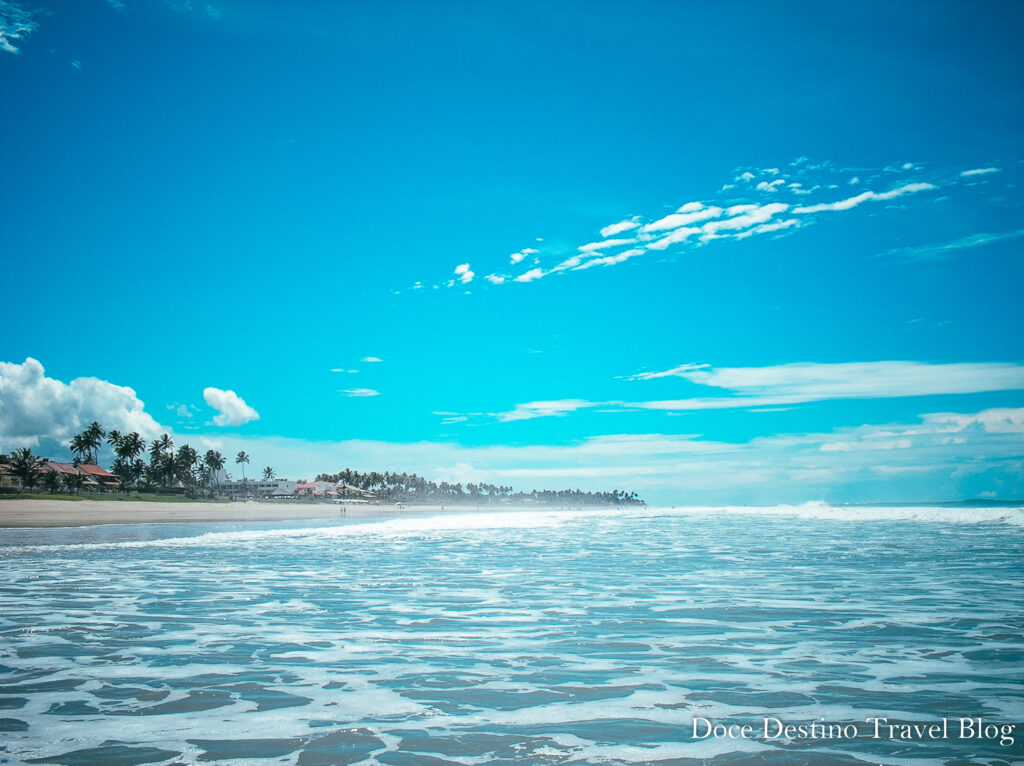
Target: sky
column 711, row 252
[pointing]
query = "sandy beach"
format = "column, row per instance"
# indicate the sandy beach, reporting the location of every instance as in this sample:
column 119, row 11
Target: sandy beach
column 63, row 513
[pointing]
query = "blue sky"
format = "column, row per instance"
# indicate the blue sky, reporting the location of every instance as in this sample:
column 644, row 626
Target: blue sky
column 724, row 252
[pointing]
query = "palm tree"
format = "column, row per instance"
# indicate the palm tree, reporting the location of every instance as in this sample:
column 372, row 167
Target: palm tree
column 25, row 466
column 113, row 437
column 80, row 446
column 214, row 461
column 94, row 433
column 268, row 473
column 241, row 459
column 131, row 446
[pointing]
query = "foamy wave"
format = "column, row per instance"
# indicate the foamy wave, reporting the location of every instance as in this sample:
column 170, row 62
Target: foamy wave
column 825, row 511
column 495, row 521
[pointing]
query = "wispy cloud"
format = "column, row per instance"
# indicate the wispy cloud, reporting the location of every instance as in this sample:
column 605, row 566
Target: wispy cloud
column 342, row 369
column 371, row 359
column 978, row 172
column 756, row 388
column 947, row 249
column 760, row 202
column 808, row 381
column 15, row 24
column 231, row 408
column 360, row 392
column 531, row 410
column 939, row 455
column 851, row 202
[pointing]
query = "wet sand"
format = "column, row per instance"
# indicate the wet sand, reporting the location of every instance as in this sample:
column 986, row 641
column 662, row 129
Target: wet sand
column 65, row 513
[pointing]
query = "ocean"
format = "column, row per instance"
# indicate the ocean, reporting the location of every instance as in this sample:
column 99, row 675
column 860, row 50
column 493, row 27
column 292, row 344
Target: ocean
column 724, row 636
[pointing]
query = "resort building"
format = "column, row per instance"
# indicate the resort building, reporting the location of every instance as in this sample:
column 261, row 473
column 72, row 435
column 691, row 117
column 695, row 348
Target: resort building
column 257, row 488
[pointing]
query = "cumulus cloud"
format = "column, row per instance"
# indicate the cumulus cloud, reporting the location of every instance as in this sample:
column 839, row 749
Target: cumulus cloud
column 360, row 392
column 36, row 410
column 495, row 279
column 464, row 274
column 15, row 24
column 517, row 257
column 231, row 408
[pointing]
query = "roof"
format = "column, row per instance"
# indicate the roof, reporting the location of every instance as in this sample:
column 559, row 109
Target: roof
column 67, row 468
column 95, row 470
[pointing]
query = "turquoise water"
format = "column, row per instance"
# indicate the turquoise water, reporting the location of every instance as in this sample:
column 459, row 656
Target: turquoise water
column 539, row 637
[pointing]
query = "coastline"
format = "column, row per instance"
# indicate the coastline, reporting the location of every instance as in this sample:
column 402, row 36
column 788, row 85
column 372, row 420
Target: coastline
column 58, row 513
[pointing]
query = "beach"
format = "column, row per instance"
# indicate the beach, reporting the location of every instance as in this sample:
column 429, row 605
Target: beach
column 65, row 513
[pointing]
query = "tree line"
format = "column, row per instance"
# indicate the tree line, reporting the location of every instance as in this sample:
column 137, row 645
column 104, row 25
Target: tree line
column 181, row 469
column 408, row 488
column 158, row 466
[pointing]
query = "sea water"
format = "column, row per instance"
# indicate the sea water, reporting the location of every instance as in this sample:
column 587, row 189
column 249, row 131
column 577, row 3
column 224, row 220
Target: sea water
column 537, row 637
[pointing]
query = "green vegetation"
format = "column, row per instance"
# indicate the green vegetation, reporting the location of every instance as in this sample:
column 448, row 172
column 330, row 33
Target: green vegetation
column 183, row 472
column 410, row 488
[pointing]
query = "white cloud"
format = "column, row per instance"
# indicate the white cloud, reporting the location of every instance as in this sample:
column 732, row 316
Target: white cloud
column 949, row 248
column 15, row 24
column 950, row 456
column 360, row 392
column 36, row 410
column 464, row 274
column 530, row 275
column 531, row 410
column 517, row 257
column 852, row 202
column 673, row 237
column 342, row 369
column 611, row 260
column 618, row 228
column 734, row 218
column 808, row 381
column 691, row 212
column 371, row 359
column 232, row 409
column 742, row 217
column 604, row 245
column 978, row 172
column 675, row 372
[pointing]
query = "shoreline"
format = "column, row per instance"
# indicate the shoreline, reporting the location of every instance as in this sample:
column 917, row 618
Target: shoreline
column 38, row 513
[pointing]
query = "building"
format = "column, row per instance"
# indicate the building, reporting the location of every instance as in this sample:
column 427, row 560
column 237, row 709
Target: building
column 257, row 488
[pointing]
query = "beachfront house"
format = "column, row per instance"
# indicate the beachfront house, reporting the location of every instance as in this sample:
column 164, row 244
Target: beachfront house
column 101, row 476
column 7, row 478
column 92, row 477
